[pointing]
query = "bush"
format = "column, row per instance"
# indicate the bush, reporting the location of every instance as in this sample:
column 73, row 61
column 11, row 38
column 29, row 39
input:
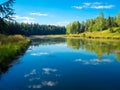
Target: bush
column 118, row 29
column 84, row 35
column 111, row 30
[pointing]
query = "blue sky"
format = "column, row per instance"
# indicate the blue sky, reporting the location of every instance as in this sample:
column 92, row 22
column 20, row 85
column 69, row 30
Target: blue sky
column 61, row 12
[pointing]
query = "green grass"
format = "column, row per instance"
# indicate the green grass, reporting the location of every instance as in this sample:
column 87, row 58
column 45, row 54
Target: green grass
column 106, row 34
column 11, row 46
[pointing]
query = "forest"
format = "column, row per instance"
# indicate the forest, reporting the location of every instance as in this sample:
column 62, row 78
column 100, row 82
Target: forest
column 9, row 26
column 100, row 23
column 33, row 29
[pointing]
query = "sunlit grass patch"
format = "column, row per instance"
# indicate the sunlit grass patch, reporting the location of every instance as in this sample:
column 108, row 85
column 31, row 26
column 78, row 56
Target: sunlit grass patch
column 106, row 34
column 10, row 46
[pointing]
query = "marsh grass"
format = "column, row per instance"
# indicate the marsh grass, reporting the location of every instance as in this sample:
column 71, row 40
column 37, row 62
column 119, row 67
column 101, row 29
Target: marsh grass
column 11, row 47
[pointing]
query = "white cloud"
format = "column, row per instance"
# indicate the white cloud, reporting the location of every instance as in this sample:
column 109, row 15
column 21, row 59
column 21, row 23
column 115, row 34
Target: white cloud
column 61, row 23
column 97, row 3
column 25, row 19
column 94, row 5
column 77, row 7
column 102, row 6
column 87, row 4
column 39, row 14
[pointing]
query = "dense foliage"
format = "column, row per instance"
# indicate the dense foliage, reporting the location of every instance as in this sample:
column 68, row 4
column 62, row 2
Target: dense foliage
column 6, row 12
column 99, row 23
column 10, row 28
column 34, row 29
column 31, row 29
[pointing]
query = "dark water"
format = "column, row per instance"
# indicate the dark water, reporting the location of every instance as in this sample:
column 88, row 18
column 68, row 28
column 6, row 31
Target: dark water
column 65, row 64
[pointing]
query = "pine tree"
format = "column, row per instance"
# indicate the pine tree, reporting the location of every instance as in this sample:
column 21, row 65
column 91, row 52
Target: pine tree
column 6, row 12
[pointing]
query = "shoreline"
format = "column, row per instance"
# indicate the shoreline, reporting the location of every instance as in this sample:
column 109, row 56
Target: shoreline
column 45, row 36
column 11, row 48
column 76, row 36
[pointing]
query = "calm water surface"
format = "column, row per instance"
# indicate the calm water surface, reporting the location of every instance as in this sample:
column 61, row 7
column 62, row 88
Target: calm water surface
column 65, row 64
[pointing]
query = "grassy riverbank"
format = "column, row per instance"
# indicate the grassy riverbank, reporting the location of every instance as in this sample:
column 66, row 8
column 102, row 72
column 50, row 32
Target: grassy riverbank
column 11, row 46
column 106, row 34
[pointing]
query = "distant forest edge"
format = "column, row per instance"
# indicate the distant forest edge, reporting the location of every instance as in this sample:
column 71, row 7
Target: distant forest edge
column 10, row 27
column 100, row 23
column 33, row 29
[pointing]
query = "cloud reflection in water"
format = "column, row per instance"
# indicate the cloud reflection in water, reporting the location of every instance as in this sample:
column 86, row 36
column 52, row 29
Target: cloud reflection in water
column 33, row 72
column 43, row 84
column 39, row 54
column 49, row 70
column 36, row 76
column 93, row 61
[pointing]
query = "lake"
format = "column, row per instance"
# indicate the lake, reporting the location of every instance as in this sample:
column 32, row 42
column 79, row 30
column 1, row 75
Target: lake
column 65, row 64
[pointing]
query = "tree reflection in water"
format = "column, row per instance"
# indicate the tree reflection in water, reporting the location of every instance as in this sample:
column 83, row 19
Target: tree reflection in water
column 99, row 47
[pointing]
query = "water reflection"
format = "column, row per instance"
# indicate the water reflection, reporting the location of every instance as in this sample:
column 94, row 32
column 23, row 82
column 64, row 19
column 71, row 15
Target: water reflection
column 49, row 70
column 6, row 64
column 66, row 64
column 39, row 53
column 33, row 72
column 36, row 42
column 43, row 84
column 100, row 47
column 93, row 61
column 39, row 76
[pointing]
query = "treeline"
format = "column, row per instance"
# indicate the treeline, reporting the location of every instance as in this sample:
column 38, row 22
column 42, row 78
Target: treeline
column 10, row 27
column 99, row 23
column 32, row 29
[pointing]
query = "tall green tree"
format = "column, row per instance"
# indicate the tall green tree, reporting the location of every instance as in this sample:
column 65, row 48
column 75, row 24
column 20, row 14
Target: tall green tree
column 118, row 19
column 101, row 21
column 76, row 27
column 73, row 28
column 91, row 23
column 82, row 29
column 69, row 28
column 87, row 25
column 6, row 12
